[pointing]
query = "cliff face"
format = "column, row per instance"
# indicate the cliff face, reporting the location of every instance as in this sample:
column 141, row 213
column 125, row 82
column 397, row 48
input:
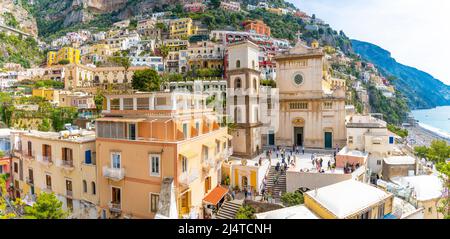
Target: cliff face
column 53, row 15
column 25, row 21
column 422, row 90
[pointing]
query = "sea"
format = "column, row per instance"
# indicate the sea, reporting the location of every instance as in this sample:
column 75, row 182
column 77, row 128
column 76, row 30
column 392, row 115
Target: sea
column 436, row 120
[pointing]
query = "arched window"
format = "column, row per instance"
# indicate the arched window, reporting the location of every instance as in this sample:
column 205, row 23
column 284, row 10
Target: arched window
column 238, row 114
column 93, row 188
column 238, row 64
column 84, row 186
column 238, row 83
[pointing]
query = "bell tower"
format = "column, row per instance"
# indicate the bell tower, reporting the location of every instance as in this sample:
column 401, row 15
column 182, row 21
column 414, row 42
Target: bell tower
column 243, row 86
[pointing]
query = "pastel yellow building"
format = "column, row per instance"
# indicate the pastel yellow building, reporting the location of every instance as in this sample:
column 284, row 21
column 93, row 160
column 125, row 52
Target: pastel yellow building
column 66, row 53
column 245, row 174
column 349, row 199
column 62, row 163
column 150, row 142
column 48, row 94
column 182, row 28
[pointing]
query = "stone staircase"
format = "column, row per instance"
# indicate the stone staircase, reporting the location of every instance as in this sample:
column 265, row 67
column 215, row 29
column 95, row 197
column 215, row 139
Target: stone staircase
column 229, row 209
column 276, row 188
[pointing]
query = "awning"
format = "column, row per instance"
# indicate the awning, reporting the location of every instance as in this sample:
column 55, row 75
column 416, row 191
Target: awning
column 4, row 162
column 189, row 154
column 209, row 144
column 215, row 195
column 117, row 119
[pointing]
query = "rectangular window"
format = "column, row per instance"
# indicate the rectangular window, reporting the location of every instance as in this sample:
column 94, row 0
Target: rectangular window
column 155, row 165
column 154, row 201
column 115, row 160
column 87, row 157
column 298, row 105
column 16, row 168
column 391, row 140
column 161, row 101
column 365, row 215
column 217, row 147
column 378, row 162
column 132, row 131
column 48, row 181
column 185, row 131
column 350, row 139
column 381, row 211
column 197, row 127
column 184, row 164
column 327, row 105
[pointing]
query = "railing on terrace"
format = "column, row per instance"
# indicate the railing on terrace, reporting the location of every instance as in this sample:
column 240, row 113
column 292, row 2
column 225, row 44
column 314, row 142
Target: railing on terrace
column 115, row 207
column 189, row 177
column 115, row 174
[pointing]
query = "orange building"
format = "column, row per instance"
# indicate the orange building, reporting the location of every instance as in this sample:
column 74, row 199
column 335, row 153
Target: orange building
column 159, row 154
column 257, row 26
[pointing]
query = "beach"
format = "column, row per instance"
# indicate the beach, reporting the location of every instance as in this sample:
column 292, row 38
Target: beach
column 420, row 136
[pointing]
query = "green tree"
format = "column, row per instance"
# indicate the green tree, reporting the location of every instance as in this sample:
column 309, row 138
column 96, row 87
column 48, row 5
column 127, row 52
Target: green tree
column 146, row 80
column 444, row 204
column 246, row 212
column 47, row 206
column 439, row 151
column 3, row 213
column 292, row 199
column 45, row 125
column 63, row 62
column 421, row 151
column 98, row 99
column 123, row 61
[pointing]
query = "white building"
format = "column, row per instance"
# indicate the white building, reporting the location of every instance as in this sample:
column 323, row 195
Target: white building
column 295, row 212
column 155, row 62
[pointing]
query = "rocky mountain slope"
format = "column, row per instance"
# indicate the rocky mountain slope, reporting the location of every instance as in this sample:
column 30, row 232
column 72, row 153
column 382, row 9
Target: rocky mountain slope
column 421, row 89
column 54, row 15
column 14, row 15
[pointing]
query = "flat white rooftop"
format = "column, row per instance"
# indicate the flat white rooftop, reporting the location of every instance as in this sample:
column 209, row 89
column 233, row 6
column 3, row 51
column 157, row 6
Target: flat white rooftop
column 426, row 187
column 348, row 197
column 295, row 212
column 305, row 164
column 399, row 160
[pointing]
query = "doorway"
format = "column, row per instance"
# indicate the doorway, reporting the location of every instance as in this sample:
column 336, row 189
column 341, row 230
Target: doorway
column 328, row 140
column 298, row 136
column 244, row 182
column 271, row 139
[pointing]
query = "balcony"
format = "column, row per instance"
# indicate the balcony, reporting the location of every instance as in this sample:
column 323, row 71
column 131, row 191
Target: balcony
column 30, row 181
column 188, row 177
column 45, row 160
column 27, row 156
column 115, row 174
column 65, row 164
column 206, row 164
column 69, row 193
column 46, row 188
column 115, row 207
column 227, row 153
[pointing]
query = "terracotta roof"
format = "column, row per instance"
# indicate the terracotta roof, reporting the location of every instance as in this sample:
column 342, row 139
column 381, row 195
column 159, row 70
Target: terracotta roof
column 215, row 195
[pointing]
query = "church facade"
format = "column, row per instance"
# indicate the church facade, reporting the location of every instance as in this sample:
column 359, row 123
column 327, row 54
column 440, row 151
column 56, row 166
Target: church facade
column 312, row 108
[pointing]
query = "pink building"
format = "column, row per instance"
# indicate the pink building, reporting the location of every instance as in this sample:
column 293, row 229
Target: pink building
column 194, row 7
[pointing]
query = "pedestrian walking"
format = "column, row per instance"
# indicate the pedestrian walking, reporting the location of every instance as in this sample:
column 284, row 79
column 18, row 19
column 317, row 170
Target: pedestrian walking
column 233, row 194
column 303, row 149
column 329, row 165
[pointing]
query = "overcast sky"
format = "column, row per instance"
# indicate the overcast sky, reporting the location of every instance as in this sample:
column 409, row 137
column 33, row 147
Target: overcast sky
column 416, row 32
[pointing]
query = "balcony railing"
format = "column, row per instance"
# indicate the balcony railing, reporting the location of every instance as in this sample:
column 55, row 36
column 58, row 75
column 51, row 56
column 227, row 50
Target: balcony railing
column 65, row 164
column 30, row 180
column 46, row 188
column 46, row 160
column 115, row 174
column 26, row 154
column 188, row 177
column 69, row 193
column 115, row 207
